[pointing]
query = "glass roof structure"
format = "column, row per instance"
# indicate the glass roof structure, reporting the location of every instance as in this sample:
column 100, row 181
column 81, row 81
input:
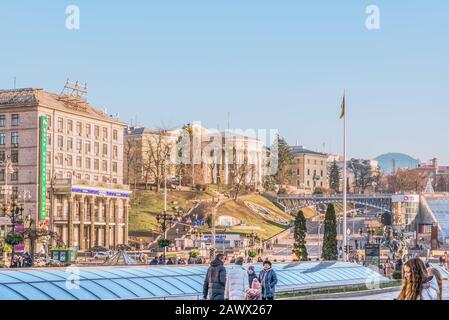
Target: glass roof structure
column 440, row 210
column 161, row 282
column 442, row 270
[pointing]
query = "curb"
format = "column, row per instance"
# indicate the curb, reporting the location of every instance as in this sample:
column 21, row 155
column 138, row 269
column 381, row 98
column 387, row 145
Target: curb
column 344, row 294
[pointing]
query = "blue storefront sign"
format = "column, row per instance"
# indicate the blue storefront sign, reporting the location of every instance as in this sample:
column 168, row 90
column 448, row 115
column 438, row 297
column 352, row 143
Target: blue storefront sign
column 101, row 192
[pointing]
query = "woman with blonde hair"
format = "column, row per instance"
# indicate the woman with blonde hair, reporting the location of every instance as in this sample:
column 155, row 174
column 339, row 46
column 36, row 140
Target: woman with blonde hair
column 416, row 284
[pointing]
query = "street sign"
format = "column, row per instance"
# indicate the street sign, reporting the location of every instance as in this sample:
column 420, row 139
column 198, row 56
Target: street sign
column 372, row 255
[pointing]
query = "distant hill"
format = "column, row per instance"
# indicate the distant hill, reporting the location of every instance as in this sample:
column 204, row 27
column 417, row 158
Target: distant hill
column 389, row 161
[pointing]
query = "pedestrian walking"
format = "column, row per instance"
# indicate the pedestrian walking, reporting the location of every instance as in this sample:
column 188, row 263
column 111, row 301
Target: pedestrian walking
column 268, row 280
column 236, row 282
column 417, row 285
column 215, row 281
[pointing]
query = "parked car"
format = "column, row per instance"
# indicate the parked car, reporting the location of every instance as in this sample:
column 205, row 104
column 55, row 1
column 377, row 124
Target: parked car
column 101, row 255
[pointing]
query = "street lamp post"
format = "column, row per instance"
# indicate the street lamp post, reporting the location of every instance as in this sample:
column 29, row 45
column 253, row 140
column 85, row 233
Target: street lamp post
column 252, row 237
column 15, row 213
column 223, row 239
column 165, row 220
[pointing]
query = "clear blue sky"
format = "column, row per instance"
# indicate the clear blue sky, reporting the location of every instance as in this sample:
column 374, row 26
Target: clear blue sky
column 271, row 64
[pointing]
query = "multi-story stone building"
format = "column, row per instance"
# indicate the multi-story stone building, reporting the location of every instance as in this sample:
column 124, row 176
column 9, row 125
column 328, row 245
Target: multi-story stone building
column 81, row 195
column 308, row 170
column 144, row 152
column 212, row 155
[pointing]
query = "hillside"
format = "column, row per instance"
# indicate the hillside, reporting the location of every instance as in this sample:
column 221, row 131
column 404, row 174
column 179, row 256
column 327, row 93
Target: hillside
column 266, row 225
column 145, row 205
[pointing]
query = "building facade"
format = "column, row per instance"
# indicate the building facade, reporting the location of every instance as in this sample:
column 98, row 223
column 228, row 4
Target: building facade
column 85, row 198
column 308, row 170
column 205, row 157
column 144, row 152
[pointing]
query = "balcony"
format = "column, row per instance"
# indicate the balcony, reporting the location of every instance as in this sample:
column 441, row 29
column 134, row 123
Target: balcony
column 60, row 218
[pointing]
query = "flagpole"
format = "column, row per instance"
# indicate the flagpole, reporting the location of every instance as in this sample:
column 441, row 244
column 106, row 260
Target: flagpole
column 344, row 181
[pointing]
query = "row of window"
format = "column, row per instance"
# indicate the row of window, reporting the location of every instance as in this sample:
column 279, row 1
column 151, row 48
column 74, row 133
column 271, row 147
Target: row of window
column 14, row 139
column 298, row 160
column 14, row 120
column 87, row 146
column 68, row 160
column 14, row 176
column 298, row 173
column 79, row 176
column 14, row 157
column 80, row 129
column 298, row 183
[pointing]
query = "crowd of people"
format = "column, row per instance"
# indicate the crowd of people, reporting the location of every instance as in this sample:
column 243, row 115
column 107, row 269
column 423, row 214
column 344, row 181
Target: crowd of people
column 19, row 261
column 161, row 260
column 238, row 283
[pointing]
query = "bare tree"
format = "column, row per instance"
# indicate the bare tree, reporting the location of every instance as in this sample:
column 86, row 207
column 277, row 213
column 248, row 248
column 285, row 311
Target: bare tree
column 406, row 180
column 442, row 184
column 132, row 160
column 156, row 157
column 240, row 171
column 362, row 172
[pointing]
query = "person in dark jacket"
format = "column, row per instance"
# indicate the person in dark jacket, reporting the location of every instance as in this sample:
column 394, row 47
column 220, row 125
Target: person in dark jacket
column 251, row 275
column 215, row 281
column 154, row 261
column 268, row 280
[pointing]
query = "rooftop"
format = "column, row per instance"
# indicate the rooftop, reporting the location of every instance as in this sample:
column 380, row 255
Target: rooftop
column 62, row 102
column 301, row 149
column 161, row 282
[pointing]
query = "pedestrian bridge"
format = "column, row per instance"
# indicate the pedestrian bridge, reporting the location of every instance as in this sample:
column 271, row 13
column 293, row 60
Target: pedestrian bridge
column 292, row 203
column 163, row 282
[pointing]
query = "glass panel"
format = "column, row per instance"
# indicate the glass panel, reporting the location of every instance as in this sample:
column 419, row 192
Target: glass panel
column 198, row 279
column 51, row 275
column 122, row 273
column 180, row 285
column 8, row 294
column 4, row 278
column 80, row 293
column 197, row 286
column 156, row 290
column 54, row 291
column 103, row 274
column 139, row 272
column 25, row 276
column 98, row 290
column 139, row 291
column 120, row 291
column 172, row 290
column 30, row 292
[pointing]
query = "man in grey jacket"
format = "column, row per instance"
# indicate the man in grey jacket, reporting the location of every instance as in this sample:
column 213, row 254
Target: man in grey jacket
column 215, row 281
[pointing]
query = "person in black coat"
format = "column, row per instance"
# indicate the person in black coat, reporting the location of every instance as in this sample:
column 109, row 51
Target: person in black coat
column 215, row 281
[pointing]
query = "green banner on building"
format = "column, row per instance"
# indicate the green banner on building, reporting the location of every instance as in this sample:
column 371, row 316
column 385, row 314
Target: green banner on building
column 43, row 125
